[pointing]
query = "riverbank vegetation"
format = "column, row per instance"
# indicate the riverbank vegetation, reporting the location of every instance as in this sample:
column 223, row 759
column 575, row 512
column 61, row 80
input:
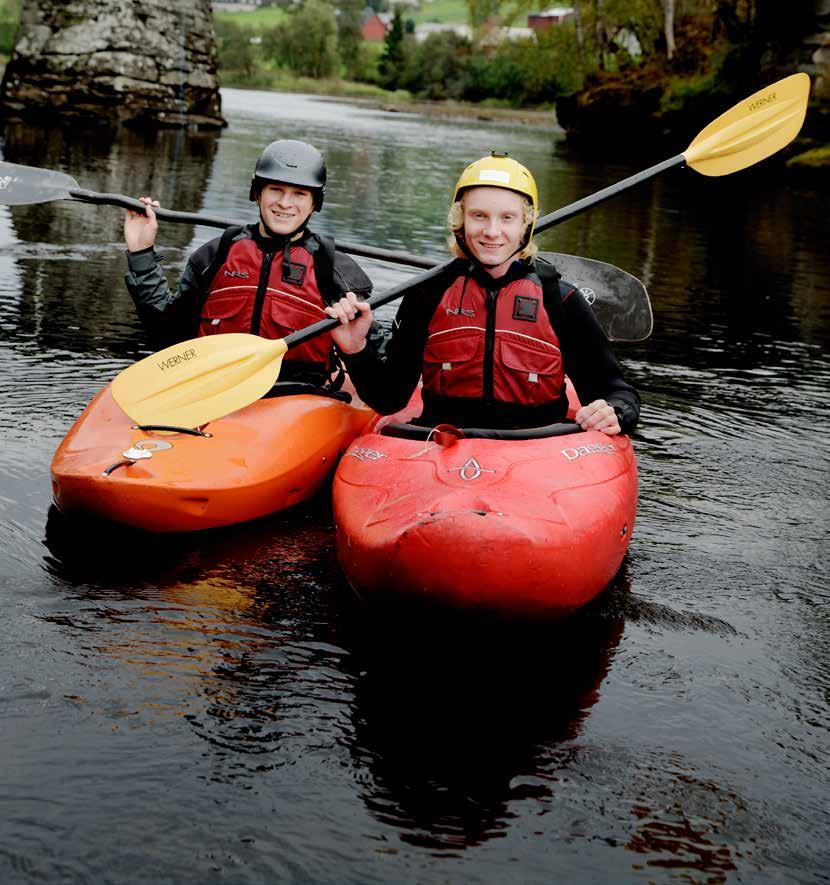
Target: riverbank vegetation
column 324, row 40
column 643, row 70
column 635, row 67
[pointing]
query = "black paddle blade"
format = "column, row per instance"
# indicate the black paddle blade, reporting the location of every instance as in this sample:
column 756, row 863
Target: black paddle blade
column 619, row 300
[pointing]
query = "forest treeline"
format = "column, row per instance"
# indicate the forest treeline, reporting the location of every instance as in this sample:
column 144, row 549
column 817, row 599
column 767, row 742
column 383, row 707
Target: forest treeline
column 687, row 46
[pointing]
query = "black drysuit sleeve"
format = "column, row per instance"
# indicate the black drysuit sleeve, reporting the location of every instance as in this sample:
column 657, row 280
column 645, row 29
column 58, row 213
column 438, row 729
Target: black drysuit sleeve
column 589, row 361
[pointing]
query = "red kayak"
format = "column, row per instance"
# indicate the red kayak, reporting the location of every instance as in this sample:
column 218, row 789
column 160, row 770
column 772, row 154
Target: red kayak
column 534, row 526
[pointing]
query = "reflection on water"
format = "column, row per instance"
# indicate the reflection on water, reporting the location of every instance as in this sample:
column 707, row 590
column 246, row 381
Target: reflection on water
column 226, row 696
column 453, row 737
column 258, row 647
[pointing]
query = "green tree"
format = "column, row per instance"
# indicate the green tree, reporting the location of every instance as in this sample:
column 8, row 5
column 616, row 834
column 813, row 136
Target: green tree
column 236, row 52
column 350, row 38
column 393, row 60
column 438, row 67
column 478, row 11
column 9, row 22
column 307, row 41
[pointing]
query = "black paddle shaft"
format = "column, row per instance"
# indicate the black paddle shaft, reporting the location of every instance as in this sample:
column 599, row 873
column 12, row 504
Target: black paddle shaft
column 391, row 255
column 36, row 185
column 303, row 335
column 544, row 223
column 566, row 212
column 394, row 256
column 137, row 206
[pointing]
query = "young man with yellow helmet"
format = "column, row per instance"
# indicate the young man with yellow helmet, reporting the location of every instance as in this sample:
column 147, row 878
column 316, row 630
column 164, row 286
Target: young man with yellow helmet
column 494, row 335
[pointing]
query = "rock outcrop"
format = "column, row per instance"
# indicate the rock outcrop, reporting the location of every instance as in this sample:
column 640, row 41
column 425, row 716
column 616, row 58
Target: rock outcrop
column 137, row 62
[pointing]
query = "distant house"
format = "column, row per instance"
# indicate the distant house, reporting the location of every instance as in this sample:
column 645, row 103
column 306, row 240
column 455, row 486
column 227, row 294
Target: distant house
column 554, row 16
column 498, row 34
column 374, row 26
column 424, row 30
column 493, row 32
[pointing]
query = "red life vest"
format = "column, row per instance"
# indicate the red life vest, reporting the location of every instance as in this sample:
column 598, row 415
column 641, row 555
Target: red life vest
column 500, row 347
column 240, row 301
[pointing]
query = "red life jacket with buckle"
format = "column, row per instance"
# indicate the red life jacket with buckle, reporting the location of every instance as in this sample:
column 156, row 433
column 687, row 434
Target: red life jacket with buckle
column 241, row 299
column 495, row 344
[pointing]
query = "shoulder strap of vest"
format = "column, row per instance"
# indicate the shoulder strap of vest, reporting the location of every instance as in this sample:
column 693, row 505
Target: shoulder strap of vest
column 324, row 272
column 225, row 241
column 555, row 289
column 551, row 278
column 324, row 267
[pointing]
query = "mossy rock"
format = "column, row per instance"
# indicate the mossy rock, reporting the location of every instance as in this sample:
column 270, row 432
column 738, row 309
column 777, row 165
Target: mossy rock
column 642, row 109
column 817, row 158
column 809, row 167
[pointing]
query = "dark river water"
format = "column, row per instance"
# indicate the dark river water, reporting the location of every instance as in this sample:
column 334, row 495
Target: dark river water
column 218, row 708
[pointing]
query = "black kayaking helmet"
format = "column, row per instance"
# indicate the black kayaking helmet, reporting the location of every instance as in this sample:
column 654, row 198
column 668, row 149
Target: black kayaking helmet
column 291, row 162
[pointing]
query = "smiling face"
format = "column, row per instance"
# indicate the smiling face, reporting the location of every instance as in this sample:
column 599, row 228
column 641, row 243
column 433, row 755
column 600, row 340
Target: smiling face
column 493, row 226
column 283, row 208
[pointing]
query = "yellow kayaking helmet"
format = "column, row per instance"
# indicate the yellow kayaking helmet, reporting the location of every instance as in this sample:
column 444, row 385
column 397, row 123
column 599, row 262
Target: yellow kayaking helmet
column 497, row 170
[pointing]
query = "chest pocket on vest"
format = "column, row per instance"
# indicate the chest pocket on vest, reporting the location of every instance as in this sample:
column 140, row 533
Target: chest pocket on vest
column 229, row 312
column 452, row 363
column 284, row 313
column 526, row 372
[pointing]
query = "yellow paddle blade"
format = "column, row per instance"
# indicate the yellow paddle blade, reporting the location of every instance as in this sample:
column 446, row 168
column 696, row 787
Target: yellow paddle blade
column 753, row 130
column 197, row 381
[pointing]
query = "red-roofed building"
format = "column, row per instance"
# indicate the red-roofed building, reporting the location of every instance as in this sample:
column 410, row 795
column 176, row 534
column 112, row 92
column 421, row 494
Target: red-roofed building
column 556, row 15
column 373, row 28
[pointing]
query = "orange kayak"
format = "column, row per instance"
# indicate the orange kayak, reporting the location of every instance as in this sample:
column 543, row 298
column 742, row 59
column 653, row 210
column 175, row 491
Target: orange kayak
column 264, row 458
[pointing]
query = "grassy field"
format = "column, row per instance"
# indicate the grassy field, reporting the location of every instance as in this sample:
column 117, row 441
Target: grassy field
column 257, row 20
column 444, row 11
column 454, row 11
column 280, row 80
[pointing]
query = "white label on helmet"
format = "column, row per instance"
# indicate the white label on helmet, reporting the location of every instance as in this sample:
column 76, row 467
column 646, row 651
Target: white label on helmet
column 494, row 175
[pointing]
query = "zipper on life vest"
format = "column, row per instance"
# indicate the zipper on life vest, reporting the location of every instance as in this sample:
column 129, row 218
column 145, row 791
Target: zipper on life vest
column 489, row 345
column 262, row 288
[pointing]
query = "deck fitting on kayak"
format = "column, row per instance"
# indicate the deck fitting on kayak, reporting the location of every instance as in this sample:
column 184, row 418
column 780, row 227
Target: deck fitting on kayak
column 168, row 428
column 127, row 462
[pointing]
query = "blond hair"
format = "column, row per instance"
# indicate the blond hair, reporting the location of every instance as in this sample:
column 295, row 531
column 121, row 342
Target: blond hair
column 455, row 222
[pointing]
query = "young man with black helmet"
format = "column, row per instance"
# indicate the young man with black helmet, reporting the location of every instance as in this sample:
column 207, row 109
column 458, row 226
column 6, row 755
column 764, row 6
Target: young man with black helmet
column 494, row 335
column 269, row 278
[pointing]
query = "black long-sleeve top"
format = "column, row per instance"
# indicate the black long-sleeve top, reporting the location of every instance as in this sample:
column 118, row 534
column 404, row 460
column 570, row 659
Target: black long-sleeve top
column 386, row 382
